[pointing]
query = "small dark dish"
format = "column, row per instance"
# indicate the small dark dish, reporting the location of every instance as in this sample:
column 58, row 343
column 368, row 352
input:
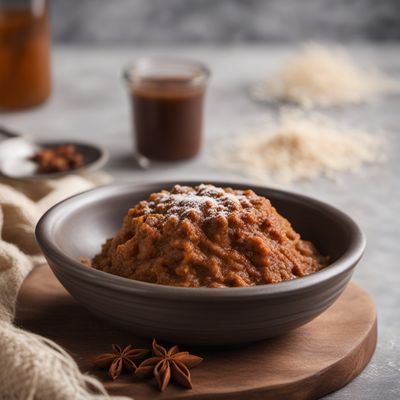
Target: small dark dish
column 79, row 225
column 17, row 163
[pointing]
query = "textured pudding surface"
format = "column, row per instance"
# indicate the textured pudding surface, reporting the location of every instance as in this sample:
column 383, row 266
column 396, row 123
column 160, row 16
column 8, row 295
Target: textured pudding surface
column 206, row 236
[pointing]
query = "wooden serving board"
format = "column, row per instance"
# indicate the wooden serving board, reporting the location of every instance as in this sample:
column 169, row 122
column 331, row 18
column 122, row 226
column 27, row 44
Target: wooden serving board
column 307, row 363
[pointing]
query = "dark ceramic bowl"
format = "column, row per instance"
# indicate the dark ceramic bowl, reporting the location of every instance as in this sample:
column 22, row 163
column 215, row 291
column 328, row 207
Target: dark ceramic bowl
column 197, row 316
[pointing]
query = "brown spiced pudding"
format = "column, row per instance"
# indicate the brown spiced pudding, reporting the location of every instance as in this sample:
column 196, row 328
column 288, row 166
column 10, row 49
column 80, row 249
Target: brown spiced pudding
column 206, row 236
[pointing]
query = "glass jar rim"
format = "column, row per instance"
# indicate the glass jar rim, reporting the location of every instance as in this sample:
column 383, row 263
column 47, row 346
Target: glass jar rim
column 134, row 73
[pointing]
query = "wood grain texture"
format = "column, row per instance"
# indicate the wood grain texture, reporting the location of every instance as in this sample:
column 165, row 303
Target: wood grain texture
column 306, row 363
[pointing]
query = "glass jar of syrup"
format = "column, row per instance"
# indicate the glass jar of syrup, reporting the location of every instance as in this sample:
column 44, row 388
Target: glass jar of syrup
column 24, row 53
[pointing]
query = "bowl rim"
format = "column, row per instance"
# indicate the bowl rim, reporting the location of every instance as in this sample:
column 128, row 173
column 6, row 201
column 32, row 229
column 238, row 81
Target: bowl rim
column 344, row 264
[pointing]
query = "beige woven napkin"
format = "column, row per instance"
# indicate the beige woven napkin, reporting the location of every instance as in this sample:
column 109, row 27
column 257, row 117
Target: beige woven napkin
column 31, row 366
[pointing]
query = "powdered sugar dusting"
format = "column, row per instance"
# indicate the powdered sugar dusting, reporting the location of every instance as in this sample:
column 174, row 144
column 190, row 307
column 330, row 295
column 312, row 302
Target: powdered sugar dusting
column 204, row 200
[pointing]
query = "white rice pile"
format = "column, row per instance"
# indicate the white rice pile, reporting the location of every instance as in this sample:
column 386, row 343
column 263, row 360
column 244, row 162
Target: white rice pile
column 301, row 148
column 323, row 76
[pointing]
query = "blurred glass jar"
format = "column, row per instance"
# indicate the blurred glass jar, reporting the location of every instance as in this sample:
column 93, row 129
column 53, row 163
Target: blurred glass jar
column 24, row 53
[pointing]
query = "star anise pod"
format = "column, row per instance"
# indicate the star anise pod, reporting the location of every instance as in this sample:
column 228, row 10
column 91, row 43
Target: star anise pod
column 165, row 364
column 119, row 359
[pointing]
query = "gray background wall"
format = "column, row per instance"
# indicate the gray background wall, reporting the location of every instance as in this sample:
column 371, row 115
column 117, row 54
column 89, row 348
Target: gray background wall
column 158, row 22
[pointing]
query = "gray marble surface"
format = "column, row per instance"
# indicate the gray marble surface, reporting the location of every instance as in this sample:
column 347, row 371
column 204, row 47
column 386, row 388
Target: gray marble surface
column 171, row 22
column 89, row 102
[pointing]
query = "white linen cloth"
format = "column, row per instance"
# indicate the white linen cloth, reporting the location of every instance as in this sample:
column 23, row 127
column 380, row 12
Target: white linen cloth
column 32, row 366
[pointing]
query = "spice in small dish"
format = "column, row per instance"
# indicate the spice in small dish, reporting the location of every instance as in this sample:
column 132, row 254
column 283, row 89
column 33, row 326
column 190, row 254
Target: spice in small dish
column 57, row 159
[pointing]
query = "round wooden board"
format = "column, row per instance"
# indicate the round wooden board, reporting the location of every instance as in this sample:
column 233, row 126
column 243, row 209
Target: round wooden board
column 307, row 363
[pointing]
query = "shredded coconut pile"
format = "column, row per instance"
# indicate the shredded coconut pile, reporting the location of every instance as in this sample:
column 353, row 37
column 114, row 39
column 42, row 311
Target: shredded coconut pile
column 323, row 76
column 302, row 148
